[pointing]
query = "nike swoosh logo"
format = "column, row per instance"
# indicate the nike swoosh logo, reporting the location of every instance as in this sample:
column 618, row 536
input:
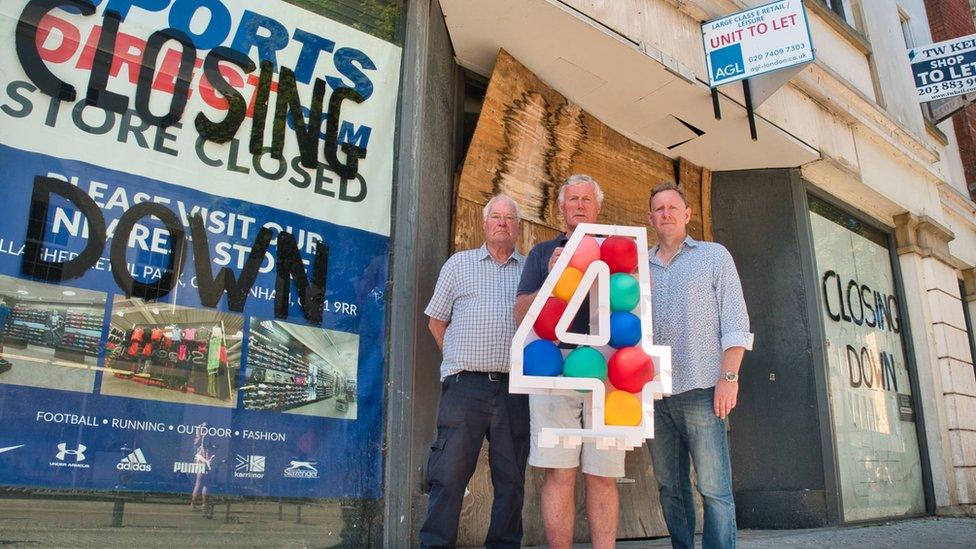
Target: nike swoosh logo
column 9, row 448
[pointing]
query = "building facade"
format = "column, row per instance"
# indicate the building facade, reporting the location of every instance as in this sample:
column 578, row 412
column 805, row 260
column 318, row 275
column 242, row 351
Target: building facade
column 140, row 158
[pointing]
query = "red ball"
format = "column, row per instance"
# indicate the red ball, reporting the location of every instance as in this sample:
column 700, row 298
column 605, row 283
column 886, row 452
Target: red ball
column 630, row 369
column 619, row 253
column 545, row 323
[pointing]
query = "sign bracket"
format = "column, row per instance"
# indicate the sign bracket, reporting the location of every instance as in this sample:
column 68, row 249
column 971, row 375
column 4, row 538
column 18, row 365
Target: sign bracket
column 716, row 107
column 750, row 110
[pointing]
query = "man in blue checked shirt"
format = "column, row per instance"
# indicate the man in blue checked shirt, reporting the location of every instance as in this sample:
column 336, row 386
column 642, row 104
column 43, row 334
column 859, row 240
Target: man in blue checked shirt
column 700, row 313
column 471, row 319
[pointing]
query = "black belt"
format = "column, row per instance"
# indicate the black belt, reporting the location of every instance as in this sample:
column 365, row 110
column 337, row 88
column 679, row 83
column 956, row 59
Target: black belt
column 492, row 376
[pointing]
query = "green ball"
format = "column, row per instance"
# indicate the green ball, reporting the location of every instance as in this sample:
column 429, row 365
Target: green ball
column 624, row 292
column 585, row 362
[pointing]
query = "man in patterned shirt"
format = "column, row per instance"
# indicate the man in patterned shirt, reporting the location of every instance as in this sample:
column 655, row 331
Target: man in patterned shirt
column 471, row 320
column 699, row 311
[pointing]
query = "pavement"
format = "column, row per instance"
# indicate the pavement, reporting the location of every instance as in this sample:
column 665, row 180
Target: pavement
column 930, row 532
column 38, row 523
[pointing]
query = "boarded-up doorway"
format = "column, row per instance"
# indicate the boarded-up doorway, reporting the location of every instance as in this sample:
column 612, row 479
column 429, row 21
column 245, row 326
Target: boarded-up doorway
column 528, row 139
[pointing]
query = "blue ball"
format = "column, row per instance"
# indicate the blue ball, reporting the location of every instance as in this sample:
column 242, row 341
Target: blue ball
column 625, row 330
column 542, row 358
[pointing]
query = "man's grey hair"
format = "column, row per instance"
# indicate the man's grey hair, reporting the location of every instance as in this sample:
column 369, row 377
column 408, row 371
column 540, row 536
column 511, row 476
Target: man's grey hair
column 580, row 179
column 501, row 197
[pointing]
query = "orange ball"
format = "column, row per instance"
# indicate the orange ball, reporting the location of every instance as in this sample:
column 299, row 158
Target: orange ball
column 567, row 284
column 622, row 408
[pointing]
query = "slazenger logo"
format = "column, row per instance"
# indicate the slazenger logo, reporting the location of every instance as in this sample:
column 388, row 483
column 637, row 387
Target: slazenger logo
column 136, row 461
column 70, row 457
column 249, row 467
column 301, row 469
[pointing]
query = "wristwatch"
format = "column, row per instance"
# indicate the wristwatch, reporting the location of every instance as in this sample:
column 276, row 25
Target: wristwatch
column 731, row 376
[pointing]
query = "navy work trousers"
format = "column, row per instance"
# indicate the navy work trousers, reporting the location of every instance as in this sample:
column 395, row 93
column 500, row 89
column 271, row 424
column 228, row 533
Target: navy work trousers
column 475, row 406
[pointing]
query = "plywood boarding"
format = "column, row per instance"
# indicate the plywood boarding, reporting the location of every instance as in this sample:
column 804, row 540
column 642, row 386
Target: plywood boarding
column 528, row 139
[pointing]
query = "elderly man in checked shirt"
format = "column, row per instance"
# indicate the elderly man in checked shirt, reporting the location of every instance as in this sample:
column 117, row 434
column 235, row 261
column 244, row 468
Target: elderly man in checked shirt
column 470, row 317
column 699, row 311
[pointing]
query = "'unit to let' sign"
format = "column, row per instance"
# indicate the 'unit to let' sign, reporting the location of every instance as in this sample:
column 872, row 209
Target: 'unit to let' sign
column 753, row 42
column 945, row 68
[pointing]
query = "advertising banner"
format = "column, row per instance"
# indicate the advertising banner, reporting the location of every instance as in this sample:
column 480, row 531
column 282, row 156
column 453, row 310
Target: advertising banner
column 193, row 248
column 767, row 38
column 944, row 69
column 869, row 385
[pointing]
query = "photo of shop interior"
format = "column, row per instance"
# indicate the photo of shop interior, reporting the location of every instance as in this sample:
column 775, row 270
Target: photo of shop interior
column 49, row 335
column 300, row 370
column 159, row 351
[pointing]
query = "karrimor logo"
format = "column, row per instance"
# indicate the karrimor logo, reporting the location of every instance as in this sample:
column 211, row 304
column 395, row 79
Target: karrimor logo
column 136, row 461
column 301, row 469
column 70, row 457
column 249, row 467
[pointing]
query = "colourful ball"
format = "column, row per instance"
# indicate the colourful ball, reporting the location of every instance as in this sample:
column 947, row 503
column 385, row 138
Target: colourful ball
column 542, row 358
column 586, row 362
column 587, row 252
column 624, row 292
column 630, row 369
column 545, row 323
column 567, row 284
column 622, row 408
column 625, row 329
column 620, row 254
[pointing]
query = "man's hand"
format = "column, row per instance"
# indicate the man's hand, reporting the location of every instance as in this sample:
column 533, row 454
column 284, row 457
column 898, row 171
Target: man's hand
column 726, row 396
column 554, row 257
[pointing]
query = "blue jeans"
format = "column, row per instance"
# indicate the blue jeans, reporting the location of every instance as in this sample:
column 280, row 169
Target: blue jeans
column 475, row 406
column 685, row 424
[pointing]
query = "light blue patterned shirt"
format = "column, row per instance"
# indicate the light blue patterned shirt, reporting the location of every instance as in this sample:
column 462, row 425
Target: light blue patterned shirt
column 698, row 311
column 475, row 296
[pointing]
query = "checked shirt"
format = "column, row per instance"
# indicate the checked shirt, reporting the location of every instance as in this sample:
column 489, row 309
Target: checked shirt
column 476, row 296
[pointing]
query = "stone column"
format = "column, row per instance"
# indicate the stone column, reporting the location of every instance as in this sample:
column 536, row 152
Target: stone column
column 942, row 352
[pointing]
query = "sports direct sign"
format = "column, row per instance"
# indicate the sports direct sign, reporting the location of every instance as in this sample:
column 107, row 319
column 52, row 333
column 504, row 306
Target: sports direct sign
column 944, row 69
column 753, row 42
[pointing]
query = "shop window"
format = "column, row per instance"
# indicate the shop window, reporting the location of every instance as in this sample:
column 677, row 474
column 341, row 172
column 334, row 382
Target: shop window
column 969, row 325
column 872, row 405
column 475, row 88
column 908, row 34
column 193, row 313
column 842, row 8
column 376, row 17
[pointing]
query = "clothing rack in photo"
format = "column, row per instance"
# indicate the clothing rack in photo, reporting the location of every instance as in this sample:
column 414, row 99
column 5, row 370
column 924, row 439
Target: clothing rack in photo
column 188, row 357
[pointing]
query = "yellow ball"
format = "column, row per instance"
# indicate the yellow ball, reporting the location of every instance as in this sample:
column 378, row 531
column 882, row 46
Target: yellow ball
column 622, row 408
column 567, row 284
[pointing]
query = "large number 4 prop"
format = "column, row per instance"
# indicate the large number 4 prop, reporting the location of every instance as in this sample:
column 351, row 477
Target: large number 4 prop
column 615, row 360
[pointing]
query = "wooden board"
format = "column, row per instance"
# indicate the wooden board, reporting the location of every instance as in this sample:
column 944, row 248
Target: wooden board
column 528, row 140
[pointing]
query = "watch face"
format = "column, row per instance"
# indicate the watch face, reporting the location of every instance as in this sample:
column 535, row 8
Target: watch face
column 731, row 376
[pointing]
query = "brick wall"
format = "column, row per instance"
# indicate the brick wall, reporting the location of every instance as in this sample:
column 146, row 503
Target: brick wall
column 951, row 19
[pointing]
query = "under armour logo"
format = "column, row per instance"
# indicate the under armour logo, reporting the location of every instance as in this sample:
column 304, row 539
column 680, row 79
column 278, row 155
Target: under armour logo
column 79, row 453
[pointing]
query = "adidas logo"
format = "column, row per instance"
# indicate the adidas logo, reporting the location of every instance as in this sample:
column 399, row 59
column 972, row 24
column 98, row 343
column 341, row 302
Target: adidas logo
column 136, row 461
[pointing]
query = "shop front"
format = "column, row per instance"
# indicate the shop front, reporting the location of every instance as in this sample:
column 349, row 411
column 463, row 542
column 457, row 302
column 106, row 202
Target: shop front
column 829, row 426
column 212, row 307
